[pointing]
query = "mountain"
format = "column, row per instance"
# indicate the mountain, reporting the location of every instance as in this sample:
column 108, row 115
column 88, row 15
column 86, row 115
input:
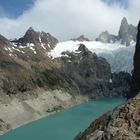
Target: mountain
column 81, row 38
column 95, row 80
column 40, row 76
column 126, row 35
column 105, row 37
column 34, row 84
column 34, row 44
column 117, row 50
column 22, row 60
column 117, row 55
column 123, row 122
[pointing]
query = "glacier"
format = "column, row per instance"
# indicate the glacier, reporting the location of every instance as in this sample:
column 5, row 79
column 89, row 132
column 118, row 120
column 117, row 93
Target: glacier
column 120, row 57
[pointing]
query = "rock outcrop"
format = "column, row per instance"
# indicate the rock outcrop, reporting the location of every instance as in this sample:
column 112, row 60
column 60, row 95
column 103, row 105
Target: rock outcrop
column 135, row 87
column 92, row 74
column 126, row 35
column 41, row 39
column 81, row 38
column 123, row 123
column 25, row 65
column 86, row 70
column 105, row 37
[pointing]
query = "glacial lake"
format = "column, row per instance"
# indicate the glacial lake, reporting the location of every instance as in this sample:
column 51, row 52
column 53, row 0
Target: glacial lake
column 64, row 125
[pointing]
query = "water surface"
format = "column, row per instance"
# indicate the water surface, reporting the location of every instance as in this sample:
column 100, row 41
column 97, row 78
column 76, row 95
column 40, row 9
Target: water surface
column 66, row 124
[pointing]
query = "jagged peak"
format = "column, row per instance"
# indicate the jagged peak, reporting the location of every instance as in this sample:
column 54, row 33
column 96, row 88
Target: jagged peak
column 30, row 29
column 81, row 38
column 124, row 20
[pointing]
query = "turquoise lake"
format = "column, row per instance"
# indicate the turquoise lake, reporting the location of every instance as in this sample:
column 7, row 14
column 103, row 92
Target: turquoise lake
column 66, row 124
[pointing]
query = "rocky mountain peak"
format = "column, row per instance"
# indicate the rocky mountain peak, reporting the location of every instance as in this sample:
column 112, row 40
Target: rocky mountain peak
column 123, row 28
column 127, row 32
column 30, row 29
column 124, row 22
column 35, row 40
column 126, row 35
column 83, row 48
column 81, row 38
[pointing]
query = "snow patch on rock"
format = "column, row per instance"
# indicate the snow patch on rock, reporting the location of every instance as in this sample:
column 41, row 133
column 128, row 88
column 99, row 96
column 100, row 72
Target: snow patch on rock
column 120, row 57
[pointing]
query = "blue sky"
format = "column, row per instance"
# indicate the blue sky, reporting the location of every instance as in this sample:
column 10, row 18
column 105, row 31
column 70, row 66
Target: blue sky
column 14, row 8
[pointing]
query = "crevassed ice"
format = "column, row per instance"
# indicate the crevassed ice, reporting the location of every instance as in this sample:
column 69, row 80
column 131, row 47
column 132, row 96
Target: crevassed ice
column 120, row 57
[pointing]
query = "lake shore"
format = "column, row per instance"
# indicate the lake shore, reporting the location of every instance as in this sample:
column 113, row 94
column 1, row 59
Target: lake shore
column 17, row 111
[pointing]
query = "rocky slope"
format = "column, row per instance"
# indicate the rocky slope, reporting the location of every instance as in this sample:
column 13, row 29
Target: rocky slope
column 120, row 124
column 123, row 123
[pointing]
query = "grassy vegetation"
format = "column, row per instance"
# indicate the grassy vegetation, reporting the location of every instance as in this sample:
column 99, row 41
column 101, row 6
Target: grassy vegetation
column 52, row 78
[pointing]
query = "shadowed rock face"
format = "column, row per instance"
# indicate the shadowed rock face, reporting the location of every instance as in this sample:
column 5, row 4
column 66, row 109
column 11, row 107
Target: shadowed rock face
column 92, row 74
column 87, row 71
column 136, row 73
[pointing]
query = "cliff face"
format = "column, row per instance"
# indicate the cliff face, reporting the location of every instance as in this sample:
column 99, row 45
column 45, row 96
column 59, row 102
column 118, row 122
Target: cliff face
column 135, row 88
column 92, row 74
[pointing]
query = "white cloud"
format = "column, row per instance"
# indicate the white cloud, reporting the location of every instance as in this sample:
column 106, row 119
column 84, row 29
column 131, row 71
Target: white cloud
column 70, row 18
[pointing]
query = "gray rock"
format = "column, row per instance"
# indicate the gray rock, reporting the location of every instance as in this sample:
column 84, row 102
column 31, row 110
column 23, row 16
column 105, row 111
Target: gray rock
column 135, row 87
column 81, row 38
column 123, row 123
column 105, row 37
column 92, row 74
column 127, row 33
